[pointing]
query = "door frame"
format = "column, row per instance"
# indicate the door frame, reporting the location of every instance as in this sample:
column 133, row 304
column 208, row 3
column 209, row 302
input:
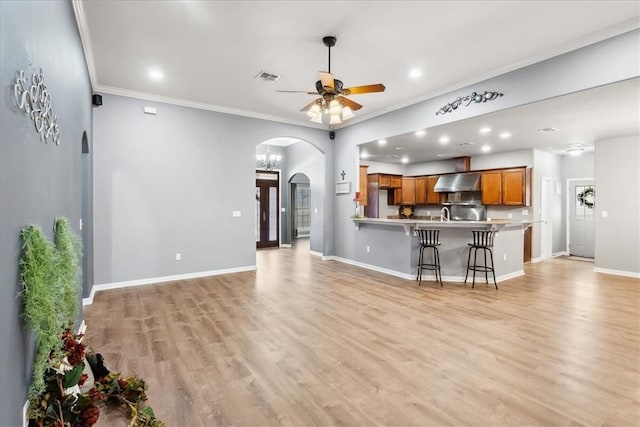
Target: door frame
column 546, row 227
column 278, row 174
column 568, row 200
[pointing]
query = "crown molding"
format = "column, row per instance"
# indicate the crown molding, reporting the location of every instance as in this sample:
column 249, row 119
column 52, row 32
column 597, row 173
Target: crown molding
column 85, row 39
column 198, row 105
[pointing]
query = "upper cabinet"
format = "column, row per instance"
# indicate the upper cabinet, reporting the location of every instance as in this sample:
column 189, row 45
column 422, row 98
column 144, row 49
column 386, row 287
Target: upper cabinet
column 516, row 187
column 506, row 187
column 433, row 198
column 386, row 181
column 421, row 190
column 408, row 191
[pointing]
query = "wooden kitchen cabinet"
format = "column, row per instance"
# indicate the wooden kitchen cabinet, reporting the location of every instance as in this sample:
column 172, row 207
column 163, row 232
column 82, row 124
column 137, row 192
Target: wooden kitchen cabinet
column 386, row 181
column 433, row 198
column 408, row 191
column 421, row 190
column 506, row 187
column 363, row 184
column 514, row 187
column 491, row 184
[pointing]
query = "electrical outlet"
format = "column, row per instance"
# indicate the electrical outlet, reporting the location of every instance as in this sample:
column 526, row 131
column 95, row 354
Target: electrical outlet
column 368, row 249
column 605, row 214
column 510, row 216
column 525, row 212
column 178, row 256
column 428, row 213
column 505, row 257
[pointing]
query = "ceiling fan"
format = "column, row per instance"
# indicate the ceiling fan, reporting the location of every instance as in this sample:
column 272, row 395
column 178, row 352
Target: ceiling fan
column 333, row 95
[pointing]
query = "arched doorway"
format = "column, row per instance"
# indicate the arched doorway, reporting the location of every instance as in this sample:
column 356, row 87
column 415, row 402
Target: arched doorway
column 288, row 158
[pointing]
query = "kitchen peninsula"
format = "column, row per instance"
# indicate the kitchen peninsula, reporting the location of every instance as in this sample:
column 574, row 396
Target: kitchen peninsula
column 392, row 244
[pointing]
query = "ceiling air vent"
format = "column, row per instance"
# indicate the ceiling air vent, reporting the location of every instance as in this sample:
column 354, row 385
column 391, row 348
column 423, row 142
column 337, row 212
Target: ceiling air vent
column 466, row 144
column 267, row 77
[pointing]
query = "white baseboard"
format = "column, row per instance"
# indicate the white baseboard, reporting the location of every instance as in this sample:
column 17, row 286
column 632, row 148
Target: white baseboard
column 153, row 280
column 370, row 267
column 83, row 327
column 285, row 245
column 617, row 272
column 431, row 277
column 538, row 259
column 315, row 253
column 561, row 253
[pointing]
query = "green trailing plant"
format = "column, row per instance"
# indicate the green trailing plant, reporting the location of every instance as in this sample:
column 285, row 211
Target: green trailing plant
column 50, row 278
column 68, row 253
column 37, row 274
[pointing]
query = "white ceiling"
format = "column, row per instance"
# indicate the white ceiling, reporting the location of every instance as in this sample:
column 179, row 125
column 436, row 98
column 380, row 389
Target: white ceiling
column 211, row 51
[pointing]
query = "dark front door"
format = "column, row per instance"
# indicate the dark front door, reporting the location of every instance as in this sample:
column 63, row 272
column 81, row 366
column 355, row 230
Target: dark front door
column 267, row 208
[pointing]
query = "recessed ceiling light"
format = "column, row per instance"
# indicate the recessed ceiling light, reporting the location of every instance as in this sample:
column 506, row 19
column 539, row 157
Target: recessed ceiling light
column 415, row 73
column 399, row 148
column 486, row 148
column 421, row 132
column 155, row 74
column 505, row 135
column 548, row 130
column 382, row 141
column 364, row 155
column 485, row 129
column 444, row 140
column 405, row 160
column 441, row 155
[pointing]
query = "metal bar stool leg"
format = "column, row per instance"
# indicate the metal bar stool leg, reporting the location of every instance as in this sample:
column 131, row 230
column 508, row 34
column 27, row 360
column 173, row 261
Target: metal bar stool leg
column 493, row 269
column 486, row 269
column 466, row 274
column 438, row 271
column 475, row 263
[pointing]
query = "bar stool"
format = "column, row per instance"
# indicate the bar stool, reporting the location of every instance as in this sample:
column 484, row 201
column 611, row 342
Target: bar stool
column 483, row 240
column 428, row 238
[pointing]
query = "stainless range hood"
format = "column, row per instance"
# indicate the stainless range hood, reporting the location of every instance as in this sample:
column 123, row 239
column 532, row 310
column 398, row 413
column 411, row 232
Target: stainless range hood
column 458, row 182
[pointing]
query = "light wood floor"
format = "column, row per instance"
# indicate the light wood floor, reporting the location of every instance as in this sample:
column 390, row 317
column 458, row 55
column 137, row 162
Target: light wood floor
column 310, row 342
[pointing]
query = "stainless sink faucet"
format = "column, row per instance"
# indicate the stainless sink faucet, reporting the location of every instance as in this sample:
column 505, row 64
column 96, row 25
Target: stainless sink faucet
column 445, row 214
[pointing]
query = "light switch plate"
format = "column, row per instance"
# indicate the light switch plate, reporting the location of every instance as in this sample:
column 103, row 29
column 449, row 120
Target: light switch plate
column 150, row 110
column 525, row 212
column 178, row 256
column 236, row 213
column 605, row 214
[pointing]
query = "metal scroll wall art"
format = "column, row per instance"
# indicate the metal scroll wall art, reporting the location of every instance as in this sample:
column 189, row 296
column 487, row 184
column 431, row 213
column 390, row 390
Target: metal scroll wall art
column 466, row 100
column 35, row 100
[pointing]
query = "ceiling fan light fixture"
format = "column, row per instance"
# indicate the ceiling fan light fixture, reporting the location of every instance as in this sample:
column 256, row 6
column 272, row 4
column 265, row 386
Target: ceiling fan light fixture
column 334, row 108
column 314, row 111
column 347, row 113
column 335, row 120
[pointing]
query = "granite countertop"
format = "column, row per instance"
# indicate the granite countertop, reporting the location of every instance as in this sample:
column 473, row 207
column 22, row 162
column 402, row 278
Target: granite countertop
column 493, row 223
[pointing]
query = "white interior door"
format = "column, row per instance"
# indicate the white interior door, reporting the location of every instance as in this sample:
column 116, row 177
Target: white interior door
column 546, row 232
column 581, row 218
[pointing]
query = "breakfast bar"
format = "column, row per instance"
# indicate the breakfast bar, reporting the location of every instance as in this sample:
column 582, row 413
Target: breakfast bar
column 391, row 245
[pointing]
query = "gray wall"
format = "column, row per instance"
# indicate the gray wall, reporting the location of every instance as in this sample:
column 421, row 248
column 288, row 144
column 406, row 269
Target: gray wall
column 168, row 184
column 617, row 243
column 38, row 181
column 303, row 157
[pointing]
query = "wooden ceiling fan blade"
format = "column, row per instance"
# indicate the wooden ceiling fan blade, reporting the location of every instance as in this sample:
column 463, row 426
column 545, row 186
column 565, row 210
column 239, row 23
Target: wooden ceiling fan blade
column 297, row 91
column 311, row 104
column 349, row 103
column 326, row 79
column 355, row 90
